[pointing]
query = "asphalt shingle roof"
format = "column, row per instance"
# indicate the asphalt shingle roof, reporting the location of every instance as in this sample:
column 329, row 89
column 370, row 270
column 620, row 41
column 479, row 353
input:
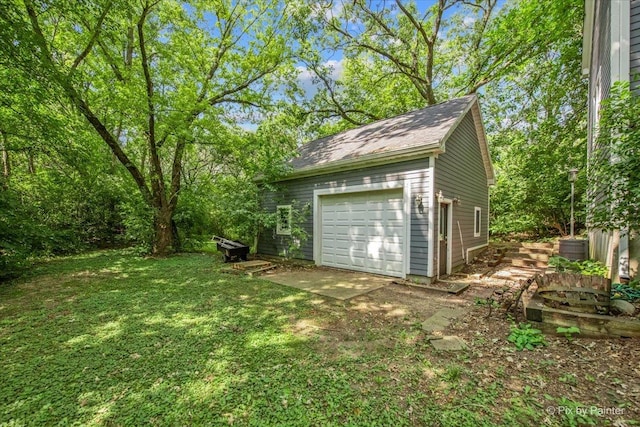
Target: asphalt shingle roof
column 423, row 128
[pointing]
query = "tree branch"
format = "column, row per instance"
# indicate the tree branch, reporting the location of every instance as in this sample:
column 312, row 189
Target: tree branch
column 157, row 181
column 92, row 40
column 82, row 106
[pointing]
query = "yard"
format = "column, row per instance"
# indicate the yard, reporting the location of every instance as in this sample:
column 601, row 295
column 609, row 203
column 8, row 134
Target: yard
column 111, row 338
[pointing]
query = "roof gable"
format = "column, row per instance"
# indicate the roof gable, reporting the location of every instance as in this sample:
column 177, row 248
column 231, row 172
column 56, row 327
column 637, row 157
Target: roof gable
column 416, row 134
column 423, row 130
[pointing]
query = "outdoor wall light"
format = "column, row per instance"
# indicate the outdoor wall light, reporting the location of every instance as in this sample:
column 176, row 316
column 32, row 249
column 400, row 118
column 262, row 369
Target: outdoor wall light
column 457, row 201
column 419, row 203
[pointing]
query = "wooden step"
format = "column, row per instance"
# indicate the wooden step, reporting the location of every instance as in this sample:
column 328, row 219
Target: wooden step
column 523, row 262
column 522, row 250
column 523, row 255
column 538, row 245
column 251, row 265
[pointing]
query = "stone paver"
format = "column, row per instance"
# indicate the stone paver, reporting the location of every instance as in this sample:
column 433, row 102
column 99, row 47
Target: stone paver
column 449, row 343
column 441, row 319
column 435, row 323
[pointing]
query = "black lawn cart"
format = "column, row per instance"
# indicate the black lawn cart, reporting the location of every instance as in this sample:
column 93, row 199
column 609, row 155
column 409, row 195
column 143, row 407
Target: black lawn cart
column 231, row 250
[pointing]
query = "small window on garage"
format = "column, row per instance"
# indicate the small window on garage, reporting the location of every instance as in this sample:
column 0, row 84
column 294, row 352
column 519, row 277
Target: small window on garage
column 283, row 219
column 477, row 222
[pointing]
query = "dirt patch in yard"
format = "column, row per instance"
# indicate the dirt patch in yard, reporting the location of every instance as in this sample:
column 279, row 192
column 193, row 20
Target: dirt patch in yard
column 588, row 380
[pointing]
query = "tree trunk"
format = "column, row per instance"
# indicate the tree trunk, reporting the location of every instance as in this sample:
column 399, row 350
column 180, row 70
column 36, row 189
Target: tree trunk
column 6, row 163
column 32, row 163
column 164, row 242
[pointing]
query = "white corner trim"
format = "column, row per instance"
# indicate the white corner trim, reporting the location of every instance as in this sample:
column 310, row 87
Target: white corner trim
column 317, row 229
column 623, row 254
column 620, row 36
column 404, row 185
column 431, row 231
column 449, row 234
column 475, row 248
column 406, row 197
column 587, row 35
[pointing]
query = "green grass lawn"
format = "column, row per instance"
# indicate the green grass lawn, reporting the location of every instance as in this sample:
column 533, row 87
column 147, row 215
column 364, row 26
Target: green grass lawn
column 111, row 338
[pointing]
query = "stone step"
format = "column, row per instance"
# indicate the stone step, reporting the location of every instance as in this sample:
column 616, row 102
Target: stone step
column 523, row 262
column 539, row 256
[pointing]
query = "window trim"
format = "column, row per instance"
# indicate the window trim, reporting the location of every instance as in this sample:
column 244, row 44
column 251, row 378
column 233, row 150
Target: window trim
column 280, row 230
column 477, row 221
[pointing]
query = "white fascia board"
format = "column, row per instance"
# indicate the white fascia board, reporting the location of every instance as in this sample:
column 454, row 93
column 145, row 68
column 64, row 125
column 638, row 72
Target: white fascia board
column 587, row 35
column 620, row 36
column 369, row 160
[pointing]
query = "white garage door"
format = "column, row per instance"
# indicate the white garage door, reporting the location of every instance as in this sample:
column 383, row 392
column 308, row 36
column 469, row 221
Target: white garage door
column 364, row 232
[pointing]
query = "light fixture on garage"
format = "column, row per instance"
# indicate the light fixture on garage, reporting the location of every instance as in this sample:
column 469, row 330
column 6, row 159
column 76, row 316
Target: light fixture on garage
column 419, row 203
column 457, row 201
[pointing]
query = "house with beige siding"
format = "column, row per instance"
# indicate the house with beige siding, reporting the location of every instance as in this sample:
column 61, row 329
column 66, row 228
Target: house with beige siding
column 406, row 196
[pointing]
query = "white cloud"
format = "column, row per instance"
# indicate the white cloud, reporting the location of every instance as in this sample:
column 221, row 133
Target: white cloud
column 337, row 68
column 306, row 76
column 326, row 9
column 468, row 21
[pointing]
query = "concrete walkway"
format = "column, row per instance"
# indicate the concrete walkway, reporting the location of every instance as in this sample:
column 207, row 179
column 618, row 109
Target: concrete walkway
column 330, row 282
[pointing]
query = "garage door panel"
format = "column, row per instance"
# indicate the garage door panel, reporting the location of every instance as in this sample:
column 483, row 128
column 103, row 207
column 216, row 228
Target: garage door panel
column 393, row 266
column 342, row 260
column 392, row 216
column 358, row 245
column 364, row 231
column 340, row 229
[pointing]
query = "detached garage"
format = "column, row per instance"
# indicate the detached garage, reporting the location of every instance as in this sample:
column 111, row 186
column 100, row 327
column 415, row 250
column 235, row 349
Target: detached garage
column 405, row 196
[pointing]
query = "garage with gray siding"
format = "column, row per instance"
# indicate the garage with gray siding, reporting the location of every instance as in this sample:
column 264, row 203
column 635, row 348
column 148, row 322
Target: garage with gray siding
column 375, row 198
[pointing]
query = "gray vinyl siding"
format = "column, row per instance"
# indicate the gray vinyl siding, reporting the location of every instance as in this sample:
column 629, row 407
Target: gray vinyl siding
column 634, row 70
column 299, row 193
column 599, row 84
column 460, row 173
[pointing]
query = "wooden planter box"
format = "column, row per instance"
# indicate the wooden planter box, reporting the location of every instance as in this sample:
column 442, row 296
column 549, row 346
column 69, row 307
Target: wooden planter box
column 575, row 292
column 568, row 299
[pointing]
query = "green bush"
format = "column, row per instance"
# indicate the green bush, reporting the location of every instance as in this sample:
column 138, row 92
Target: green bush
column 587, row 267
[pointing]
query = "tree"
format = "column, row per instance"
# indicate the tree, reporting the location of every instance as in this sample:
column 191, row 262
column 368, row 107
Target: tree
column 614, row 167
column 156, row 78
column 398, row 56
column 536, row 121
column 522, row 57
